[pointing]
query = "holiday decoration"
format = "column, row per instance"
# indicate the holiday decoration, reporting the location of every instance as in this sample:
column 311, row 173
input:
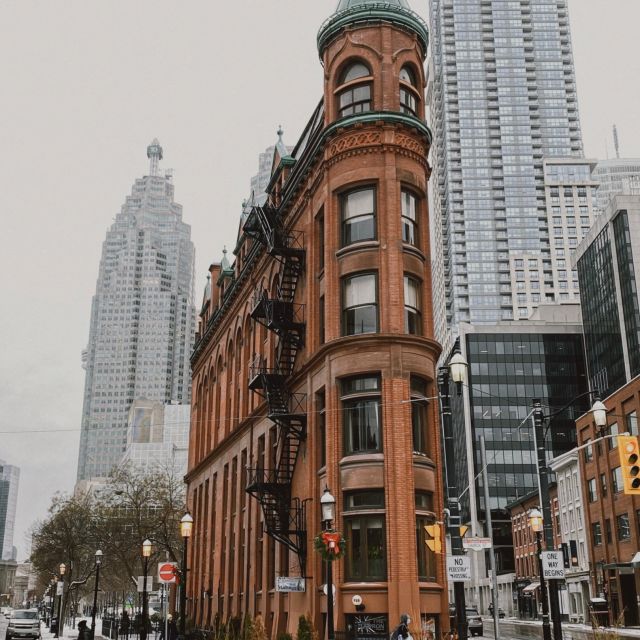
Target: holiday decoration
column 330, row 544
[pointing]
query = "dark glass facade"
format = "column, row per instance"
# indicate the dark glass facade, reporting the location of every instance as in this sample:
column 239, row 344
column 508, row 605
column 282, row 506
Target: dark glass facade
column 600, row 316
column 628, row 289
column 506, row 373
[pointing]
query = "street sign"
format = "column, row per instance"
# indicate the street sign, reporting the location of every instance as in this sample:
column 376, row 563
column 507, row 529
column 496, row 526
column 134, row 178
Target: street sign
column 552, row 565
column 60, row 588
column 141, row 584
column 459, row 568
column 167, row 572
column 476, row 544
column 287, row 584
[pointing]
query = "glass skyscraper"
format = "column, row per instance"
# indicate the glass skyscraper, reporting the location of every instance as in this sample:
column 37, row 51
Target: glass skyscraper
column 142, row 318
column 9, row 477
column 502, row 97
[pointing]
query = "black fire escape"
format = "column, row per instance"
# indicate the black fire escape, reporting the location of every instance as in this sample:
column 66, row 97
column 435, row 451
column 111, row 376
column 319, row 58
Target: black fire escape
column 284, row 515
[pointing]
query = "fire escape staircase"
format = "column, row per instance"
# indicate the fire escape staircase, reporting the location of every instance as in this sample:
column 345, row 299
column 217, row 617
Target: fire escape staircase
column 284, row 515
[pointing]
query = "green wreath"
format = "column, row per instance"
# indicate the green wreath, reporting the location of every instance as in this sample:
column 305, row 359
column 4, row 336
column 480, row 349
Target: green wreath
column 322, row 545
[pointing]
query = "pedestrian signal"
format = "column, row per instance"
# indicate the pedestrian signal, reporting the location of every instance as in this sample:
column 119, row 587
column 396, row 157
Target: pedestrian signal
column 630, row 463
column 434, row 542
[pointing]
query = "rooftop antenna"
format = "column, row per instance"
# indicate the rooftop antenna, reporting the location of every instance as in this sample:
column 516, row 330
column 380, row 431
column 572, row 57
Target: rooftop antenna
column 154, row 153
column 616, row 142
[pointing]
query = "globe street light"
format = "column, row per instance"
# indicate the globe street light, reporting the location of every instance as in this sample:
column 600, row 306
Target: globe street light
column 146, row 552
column 327, row 507
column 186, row 528
column 98, row 560
column 537, row 525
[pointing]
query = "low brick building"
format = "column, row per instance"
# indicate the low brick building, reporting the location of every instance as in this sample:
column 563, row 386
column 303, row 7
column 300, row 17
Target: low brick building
column 314, row 363
column 525, row 550
column 612, row 518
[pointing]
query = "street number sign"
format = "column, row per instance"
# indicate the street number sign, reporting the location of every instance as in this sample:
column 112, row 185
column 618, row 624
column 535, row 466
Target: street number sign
column 476, row 544
column 168, row 572
column 552, row 565
column 459, row 568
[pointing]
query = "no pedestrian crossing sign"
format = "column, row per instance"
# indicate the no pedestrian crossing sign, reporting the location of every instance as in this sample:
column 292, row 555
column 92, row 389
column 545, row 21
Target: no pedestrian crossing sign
column 459, row 568
column 167, row 572
column 553, row 565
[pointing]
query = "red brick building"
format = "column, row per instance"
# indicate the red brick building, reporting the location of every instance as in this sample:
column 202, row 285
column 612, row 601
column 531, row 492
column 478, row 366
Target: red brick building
column 525, row 550
column 612, row 517
column 314, row 363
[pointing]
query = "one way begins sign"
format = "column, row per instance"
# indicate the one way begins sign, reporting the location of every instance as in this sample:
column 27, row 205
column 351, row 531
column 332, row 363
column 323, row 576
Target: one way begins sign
column 459, row 568
column 553, row 565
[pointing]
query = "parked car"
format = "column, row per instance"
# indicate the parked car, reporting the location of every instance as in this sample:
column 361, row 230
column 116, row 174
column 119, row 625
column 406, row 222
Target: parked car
column 474, row 622
column 24, row 623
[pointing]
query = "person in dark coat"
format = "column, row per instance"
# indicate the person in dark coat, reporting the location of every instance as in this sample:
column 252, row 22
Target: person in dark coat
column 83, row 632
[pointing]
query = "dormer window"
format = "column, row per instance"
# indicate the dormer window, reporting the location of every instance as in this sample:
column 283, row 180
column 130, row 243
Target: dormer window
column 408, row 91
column 354, row 91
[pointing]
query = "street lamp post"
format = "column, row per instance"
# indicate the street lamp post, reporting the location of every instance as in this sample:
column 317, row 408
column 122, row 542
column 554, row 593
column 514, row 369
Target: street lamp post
column 186, row 528
column 539, row 436
column 456, row 371
column 536, row 524
column 327, row 505
column 62, row 569
column 95, row 593
column 146, row 552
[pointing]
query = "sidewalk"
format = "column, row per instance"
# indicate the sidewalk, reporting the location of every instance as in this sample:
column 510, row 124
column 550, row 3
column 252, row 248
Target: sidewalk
column 630, row 632
column 69, row 633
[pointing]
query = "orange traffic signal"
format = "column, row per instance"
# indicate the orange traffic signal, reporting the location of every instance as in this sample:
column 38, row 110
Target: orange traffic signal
column 630, row 463
column 435, row 534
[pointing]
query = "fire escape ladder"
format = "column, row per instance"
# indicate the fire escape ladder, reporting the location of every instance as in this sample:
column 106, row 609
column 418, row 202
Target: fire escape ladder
column 284, row 514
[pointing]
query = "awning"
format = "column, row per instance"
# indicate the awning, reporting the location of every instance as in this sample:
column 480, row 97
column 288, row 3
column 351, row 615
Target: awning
column 531, row 587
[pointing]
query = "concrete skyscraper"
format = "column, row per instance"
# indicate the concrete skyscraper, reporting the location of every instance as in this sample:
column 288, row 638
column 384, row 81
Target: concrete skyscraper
column 9, row 477
column 142, row 318
column 502, row 96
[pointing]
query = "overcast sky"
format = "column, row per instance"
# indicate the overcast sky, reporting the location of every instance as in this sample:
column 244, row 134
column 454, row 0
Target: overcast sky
column 86, row 85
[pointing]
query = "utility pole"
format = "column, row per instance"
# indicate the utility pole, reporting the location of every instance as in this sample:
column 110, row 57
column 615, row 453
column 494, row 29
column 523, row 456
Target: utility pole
column 489, row 534
column 545, row 503
column 453, row 504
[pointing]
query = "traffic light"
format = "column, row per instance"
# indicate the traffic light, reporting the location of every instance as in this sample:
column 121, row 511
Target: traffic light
column 630, row 464
column 435, row 534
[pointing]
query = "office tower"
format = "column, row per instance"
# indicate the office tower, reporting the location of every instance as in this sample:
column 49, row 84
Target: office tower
column 158, row 437
column 608, row 272
column 616, row 176
column 142, row 318
column 9, row 478
column 510, row 365
column 502, row 97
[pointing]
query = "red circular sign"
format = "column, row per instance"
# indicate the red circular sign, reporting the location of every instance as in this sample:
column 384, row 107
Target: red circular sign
column 167, row 572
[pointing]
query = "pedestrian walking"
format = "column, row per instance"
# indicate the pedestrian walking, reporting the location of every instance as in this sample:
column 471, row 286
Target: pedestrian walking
column 401, row 632
column 83, row 632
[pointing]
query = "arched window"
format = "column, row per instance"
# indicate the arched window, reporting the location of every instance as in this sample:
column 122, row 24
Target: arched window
column 354, row 92
column 408, row 91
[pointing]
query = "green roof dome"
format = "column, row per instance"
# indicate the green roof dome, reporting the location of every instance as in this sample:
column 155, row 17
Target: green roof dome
column 362, row 12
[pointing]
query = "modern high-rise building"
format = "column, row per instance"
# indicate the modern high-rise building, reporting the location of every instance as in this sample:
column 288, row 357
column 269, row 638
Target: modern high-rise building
column 142, row 318
column 510, row 365
column 608, row 267
column 618, row 176
column 9, row 478
column 502, row 97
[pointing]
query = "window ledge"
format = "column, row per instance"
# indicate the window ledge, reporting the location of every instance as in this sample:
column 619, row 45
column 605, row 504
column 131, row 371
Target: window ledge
column 365, row 245
column 361, row 458
column 409, row 248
